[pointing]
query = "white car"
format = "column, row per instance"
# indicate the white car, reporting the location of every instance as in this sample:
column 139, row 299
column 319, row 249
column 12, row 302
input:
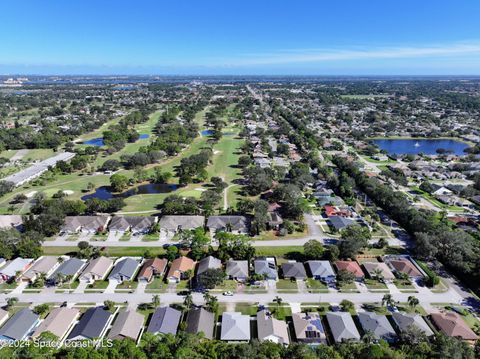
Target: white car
column 228, row 294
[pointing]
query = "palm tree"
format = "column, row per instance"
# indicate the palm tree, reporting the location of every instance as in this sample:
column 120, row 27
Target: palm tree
column 278, row 300
column 156, row 301
column 188, row 301
column 378, row 274
column 413, row 301
column 12, row 301
column 368, row 337
column 387, row 300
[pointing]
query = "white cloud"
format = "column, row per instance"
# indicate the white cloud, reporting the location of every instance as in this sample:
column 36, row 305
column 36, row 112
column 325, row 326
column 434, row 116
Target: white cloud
column 294, row 56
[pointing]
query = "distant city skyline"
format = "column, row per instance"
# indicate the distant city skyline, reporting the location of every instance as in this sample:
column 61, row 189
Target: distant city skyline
column 240, row 38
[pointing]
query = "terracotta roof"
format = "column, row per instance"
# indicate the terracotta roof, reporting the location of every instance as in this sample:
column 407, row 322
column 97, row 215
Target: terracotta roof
column 152, row 266
column 405, row 266
column 179, row 266
column 453, row 325
column 350, row 266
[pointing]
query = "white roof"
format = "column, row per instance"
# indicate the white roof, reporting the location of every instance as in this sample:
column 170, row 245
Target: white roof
column 235, row 326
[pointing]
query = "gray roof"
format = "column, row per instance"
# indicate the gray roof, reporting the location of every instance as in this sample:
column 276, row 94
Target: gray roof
column 174, row 223
column 406, row 320
column 342, row 326
column 235, row 326
column 378, row 325
column 321, row 268
column 165, row 320
column 128, row 324
column 200, row 320
column 19, row 325
column 91, row 223
column 235, row 223
column 135, row 223
column 124, row 269
column 70, row 267
column 263, row 266
column 237, row 269
column 208, row 263
column 340, row 222
column 91, row 324
column 269, row 327
column 294, row 270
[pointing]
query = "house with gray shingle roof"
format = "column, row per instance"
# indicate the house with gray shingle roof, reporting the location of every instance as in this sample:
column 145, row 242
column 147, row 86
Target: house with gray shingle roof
column 237, row 270
column 342, row 327
column 69, row 268
column 209, row 262
column 124, row 270
column 321, row 270
column 170, row 225
column 92, row 324
column 309, row 328
column 200, row 320
column 19, row 325
column 86, row 224
column 134, row 224
column 378, row 325
column 45, row 265
column 235, row 327
column 233, row 224
column 128, row 324
column 294, row 270
column 266, row 266
column 271, row 329
column 404, row 321
column 165, row 320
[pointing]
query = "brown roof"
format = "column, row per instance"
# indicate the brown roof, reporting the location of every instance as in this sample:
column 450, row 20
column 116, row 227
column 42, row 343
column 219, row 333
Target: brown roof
column 58, row 321
column 453, row 325
column 350, row 266
column 152, row 266
column 405, row 266
column 179, row 266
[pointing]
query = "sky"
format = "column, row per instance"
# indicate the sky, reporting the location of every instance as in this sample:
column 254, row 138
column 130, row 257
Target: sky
column 242, row 37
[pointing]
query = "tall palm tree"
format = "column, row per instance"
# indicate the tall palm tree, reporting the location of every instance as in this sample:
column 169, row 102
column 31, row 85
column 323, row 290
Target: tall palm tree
column 156, row 300
column 413, row 301
column 387, row 300
column 278, row 300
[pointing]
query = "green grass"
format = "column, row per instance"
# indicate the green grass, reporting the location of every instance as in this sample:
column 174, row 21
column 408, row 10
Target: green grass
column 98, row 284
column 127, row 285
column 8, row 286
column 280, row 312
column 277, row 251
column 374, row 284
column 287, row 285
column 315, row 286
column 156, row 285
column 244, row 308
column 403, row 284
column 228, row 285
column 348, row 287
column 109, row 251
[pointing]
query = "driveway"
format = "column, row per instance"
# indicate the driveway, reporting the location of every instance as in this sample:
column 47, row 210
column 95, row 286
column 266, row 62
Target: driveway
column 19, row 288
column 114, row 236
column 112, row 284
column 81, row 287
column 141, row 287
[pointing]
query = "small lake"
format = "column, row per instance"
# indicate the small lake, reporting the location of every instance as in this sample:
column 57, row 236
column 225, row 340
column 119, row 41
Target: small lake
column 99, row 140
column 210, row 132
column 104, row 193
column 414, row 146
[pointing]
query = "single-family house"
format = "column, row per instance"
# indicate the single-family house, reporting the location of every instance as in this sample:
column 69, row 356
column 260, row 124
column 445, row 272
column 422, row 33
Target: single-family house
column 58, row 322
column 124, row 270
column 200, row 320
column 67, row 271
column 266, row 266
column 45, row 265
column 309, row 328
column 294, row 270
column 133, row 224
column 86, row 224
column 209, row 262
column 342, row 327
column 237, row 270
column 178, row 268
column 235, row 327
column 15, row 268
column 350, row 266
column 19, row 326
column 152, row 267
column 11, row 221
column 234, row 224
column 405, row 265
column 321, row 270
column 404, row 321
column 97, row 269
column 92, row 325
column 170, row 225
column 274, row 220
column 452, row 325
column 271, row 329
column 128, row 324
column 165, row 320
column 340, row 223
column 378, row 325
column 378, row 270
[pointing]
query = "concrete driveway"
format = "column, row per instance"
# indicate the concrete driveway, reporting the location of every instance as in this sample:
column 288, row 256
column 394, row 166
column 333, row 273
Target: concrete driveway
column 112, row 284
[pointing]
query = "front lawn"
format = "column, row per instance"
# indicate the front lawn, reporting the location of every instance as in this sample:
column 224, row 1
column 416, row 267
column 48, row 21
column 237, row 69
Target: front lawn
column 403, row 284
column 316, row 286
column 227, row 285
column 280, row 312
column 98, row 284
column 127, row 285
column 156, row 285
column 287, row 285
column 374, row 284
column 348, row 287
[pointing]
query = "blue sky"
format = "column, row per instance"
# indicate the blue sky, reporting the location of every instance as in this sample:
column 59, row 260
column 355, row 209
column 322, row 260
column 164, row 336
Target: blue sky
column 349, row 37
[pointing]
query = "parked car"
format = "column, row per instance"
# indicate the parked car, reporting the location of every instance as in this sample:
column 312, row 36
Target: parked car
column 228, row 293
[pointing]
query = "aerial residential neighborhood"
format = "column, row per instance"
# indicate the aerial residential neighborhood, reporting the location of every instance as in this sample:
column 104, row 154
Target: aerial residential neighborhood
column 240, row 179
